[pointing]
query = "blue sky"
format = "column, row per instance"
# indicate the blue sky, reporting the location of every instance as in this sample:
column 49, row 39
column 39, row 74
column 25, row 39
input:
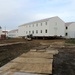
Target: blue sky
column 16, row 12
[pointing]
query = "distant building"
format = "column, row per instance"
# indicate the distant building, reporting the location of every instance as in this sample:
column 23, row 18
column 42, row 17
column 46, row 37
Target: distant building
column 70, row 30
column 13, row 33
column 0, row 31
column 3, row 34
column 49, row 27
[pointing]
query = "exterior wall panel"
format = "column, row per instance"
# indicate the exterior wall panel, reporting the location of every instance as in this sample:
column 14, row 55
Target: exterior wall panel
column 13, row 34
column 71, row 31
column 47, row 25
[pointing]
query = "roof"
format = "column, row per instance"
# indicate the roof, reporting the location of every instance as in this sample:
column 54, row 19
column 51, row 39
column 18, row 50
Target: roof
column 5, row 31
column 69, row 23
column 14, row 30
column 38, row 21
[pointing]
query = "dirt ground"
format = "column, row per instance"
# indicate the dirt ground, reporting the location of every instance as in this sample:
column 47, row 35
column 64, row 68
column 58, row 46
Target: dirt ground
column 7, row 53
column 63, row 64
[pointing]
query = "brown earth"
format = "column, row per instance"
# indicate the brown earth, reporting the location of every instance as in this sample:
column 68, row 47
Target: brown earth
column 7, row 53
column 63, row 64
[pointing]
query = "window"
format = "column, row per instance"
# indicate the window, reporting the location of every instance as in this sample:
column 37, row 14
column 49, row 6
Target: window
column 41, row 31
column 36, row 24
column 46, row 23
column 36, row 31
column 29, row 32
column 32, row 32
column 46, row 31
column 41, row 24
column 66, row 34
column 66, row 27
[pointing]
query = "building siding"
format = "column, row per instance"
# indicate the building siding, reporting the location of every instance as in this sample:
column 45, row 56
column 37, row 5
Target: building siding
column 46, row 26
column 70, row 30
column 13, row 34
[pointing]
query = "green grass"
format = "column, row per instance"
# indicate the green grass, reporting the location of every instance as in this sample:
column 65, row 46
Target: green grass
column 70, row 41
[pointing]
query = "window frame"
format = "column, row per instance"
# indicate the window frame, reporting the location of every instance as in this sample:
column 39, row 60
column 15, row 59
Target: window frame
column 46, row 31
column 41, row 31
column 66, row 34
column 46, row 23
column 66, row 28
column 36, row 31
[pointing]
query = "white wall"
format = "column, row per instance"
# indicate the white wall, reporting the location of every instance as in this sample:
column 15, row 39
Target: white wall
column 56, row 27
column 12, row 34
column 34, row 27
column 71, row 31
column 51, row 24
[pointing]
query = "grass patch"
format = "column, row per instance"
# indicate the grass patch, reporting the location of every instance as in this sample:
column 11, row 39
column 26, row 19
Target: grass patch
column 70, row 41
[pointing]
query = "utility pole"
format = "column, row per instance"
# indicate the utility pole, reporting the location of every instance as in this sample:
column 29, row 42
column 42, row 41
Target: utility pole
column 5, row 31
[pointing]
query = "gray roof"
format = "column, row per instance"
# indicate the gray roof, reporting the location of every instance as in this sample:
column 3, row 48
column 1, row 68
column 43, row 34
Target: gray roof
column 69, row 23
column 13, row 30
column 42, row 20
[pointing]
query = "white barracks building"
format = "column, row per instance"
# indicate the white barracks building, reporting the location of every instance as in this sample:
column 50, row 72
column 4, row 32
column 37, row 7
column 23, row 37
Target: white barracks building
column 70, row 30
column 49, row 27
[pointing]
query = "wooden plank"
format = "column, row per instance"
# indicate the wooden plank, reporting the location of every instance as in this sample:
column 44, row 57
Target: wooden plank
column 7, row 66
column 37, row 55
column 29, row 68
column 41, row 47
column 22, row 73
column 32, row 60
column 11, row 43
column 52, row 51
column 33, row 50
column 37, row 68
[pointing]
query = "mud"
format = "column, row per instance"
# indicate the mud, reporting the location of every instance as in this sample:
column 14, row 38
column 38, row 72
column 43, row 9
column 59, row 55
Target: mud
column 64, row 62
column 8, row 53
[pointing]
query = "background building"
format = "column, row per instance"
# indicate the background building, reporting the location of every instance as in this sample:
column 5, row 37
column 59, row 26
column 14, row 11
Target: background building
column 0, row 31
column 49, row 27
column 3, row 34
column 70, row 30
column 13, row 33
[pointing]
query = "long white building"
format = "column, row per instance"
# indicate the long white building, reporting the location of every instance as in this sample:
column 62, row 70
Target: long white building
column 49, row 27
column 70, row 30
column 13, row 33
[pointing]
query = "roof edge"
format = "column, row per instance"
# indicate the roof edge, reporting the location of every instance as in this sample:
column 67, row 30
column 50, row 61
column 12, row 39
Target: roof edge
column 37, row 21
